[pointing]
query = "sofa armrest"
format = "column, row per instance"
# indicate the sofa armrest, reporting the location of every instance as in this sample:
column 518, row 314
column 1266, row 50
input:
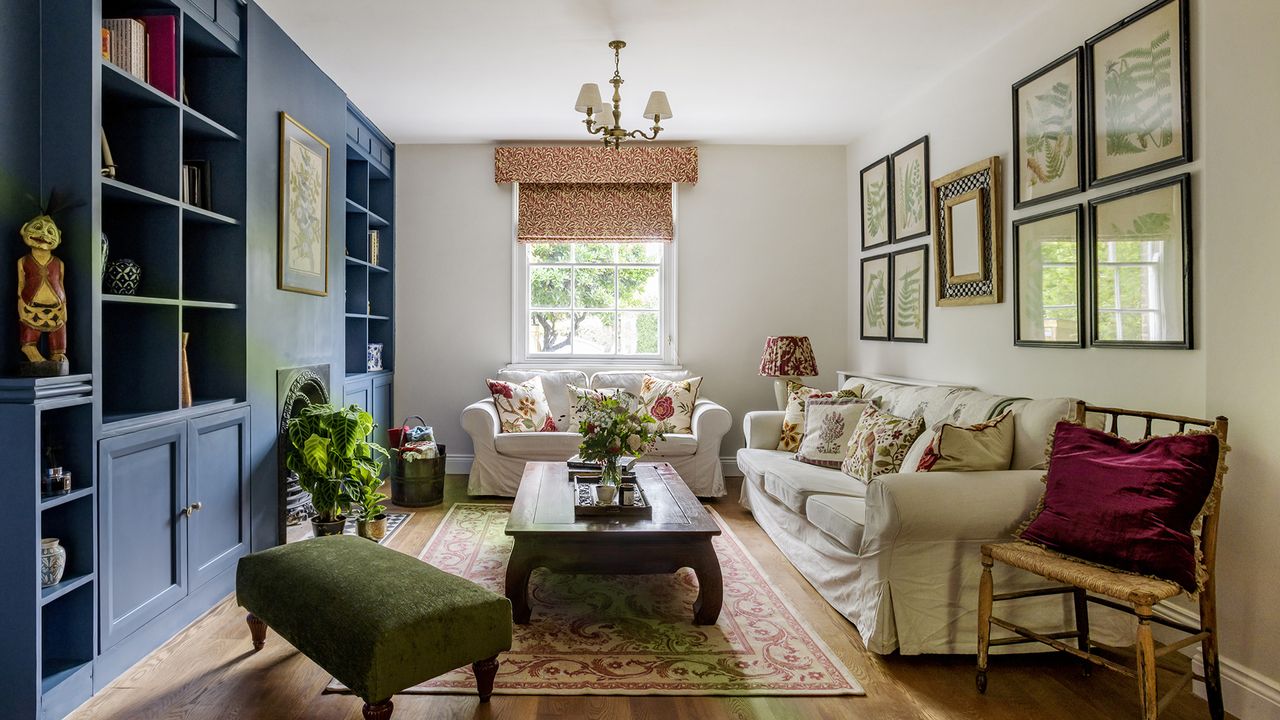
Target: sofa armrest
column 480, row 420
column 763, row 428
column 710, row 423
column 955, row 506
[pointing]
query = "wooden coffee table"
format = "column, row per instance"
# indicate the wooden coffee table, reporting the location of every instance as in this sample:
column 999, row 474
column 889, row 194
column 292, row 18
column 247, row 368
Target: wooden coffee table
column 546, row 535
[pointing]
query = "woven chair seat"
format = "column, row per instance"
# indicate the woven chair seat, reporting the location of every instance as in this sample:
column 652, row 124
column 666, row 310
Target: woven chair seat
column 1123, row 586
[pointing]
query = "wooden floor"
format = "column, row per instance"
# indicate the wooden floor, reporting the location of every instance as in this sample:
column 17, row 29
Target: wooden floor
column 209, row 672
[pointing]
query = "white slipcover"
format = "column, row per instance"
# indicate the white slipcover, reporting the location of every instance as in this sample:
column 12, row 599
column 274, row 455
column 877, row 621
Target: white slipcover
column 500, row 457
column 900, row 558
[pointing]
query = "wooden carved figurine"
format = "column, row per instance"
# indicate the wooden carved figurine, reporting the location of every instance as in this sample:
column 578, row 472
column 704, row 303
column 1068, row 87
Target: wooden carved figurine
column 42, row 300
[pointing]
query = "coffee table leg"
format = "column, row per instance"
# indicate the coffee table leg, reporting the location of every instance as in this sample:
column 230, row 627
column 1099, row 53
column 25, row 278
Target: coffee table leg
column 519, row 566
column 706, row 566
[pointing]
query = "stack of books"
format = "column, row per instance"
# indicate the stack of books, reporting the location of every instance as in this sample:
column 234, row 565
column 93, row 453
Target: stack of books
column 578, row 467
column 195, row 183
column 146, row 48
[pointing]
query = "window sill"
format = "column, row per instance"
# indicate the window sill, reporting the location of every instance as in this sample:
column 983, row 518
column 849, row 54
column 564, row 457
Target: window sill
column 585, row 364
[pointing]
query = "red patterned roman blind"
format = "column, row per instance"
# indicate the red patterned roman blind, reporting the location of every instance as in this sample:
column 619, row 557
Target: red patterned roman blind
column 590, row 194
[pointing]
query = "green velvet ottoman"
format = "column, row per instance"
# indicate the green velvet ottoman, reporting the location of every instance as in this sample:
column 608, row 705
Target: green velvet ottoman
column 378, row 620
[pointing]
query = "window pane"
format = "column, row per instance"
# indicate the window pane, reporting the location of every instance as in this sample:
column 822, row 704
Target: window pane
column 1133, row 289
column 594, row 288
column 549, row 287
column 595, row 253
column 550, row 252
column 549, row 332
column 638, row 334
column 638, row 288
column 594, row 333
column 1106, row 286
column 640, row 253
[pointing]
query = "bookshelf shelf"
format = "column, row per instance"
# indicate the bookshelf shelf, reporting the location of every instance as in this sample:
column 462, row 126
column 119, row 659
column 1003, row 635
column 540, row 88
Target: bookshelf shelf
column 209, row 305
column 139, row 300
column 74, row 495
column 68, row 584
column 200, row 215
column 363, row 263
column 113, row 189
column 376, row 221
column 118, row 84
column 197, row 124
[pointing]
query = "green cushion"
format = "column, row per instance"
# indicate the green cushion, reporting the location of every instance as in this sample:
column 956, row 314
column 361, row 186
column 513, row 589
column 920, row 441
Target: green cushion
column 378, row 620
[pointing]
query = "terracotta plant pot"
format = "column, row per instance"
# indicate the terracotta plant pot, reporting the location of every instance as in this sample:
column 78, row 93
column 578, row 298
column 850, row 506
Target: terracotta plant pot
column 374, row 529
column 320, row 529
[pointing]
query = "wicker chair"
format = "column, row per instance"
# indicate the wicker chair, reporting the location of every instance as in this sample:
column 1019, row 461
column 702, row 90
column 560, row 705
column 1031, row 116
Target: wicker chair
column 1127, row 592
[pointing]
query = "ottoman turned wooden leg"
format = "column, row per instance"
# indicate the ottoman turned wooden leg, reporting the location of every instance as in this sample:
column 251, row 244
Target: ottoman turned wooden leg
column 258, row 630
column 485, row 671
column 378, row 711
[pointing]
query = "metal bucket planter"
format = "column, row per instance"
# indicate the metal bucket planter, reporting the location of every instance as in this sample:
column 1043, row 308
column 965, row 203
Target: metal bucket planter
column 419, row 483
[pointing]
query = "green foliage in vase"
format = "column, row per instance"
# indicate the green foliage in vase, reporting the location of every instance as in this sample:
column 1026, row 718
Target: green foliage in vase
column 1138, row 98
column 913, row 194
column 876, row 296
column 876, row 199
column 332, row 457
column 614, row 425
column 908, row 306
column 1050, row 138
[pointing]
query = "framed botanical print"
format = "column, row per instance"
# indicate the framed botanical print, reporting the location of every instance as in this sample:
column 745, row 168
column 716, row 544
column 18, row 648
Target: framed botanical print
column 911, row 191
column 877, row 196
column 877, row 302
column 1048, row 297
column 968, row 240
column 1140, row 110
column 1047, row 121
column 304, row 210
column 1140, row 260
column 910, row 272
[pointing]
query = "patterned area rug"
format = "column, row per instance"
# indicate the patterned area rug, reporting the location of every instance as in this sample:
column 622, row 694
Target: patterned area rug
column 633, row 635
column 395, row 521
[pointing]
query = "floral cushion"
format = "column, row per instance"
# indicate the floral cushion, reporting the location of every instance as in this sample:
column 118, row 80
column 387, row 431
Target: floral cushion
column 793, row 419
column 671, row 401
column 829, row 423
column 879, row 444
column 522, row 407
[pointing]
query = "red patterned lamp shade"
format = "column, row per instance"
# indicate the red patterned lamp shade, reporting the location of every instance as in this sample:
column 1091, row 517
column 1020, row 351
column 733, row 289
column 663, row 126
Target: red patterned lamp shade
column 788, row 356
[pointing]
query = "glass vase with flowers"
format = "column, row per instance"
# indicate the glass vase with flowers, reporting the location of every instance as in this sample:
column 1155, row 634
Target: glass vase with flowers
column 613, row 426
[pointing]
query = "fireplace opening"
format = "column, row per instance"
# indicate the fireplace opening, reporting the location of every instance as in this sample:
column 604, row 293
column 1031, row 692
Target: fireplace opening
column 297, row 388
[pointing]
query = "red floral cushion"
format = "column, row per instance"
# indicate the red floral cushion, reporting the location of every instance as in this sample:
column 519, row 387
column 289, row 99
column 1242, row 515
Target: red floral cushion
column 1126, row 505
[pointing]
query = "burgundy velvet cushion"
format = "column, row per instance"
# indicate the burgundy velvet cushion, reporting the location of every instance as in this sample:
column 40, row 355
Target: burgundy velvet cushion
column 1126, row 505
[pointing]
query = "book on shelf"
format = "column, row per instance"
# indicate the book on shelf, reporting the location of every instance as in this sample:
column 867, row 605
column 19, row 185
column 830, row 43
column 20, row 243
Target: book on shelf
column 162, row 53
column 128, row 45
column 106, row 44
column 195, row 183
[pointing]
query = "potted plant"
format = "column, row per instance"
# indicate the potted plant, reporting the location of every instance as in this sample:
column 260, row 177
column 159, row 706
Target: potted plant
column 371, row 520
column 612, row 426
column 333, row 459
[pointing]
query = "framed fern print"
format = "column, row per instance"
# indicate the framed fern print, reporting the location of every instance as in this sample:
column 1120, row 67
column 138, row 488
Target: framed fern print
column 1140, row 111
column 877, row 298
column 1047, row 122
column 910, row 206
column 1048, row 282
column 910, row 294
column 1140, row 266
column 877, row 196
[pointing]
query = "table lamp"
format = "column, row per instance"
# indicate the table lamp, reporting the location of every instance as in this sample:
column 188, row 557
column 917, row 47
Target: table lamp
column 786, row 358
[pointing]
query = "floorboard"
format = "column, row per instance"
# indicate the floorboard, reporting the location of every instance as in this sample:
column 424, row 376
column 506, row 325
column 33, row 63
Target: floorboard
column 208, row 672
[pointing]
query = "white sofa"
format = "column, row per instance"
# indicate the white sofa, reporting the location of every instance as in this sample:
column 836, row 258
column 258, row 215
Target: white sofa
column 500, row 457
column 899, row 558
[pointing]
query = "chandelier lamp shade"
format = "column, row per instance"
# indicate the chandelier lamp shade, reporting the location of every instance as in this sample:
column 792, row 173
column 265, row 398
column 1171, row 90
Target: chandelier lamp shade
column 609, row 123
column 787, row 358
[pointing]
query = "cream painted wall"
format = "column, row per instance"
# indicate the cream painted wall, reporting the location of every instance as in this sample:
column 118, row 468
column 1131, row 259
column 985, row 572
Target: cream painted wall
column 761, row 222
column 1232, row 371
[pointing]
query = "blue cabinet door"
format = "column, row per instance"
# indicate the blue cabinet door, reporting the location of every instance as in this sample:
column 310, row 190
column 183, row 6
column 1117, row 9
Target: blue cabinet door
column 142, row 532
column 358, row 392
column 217, row 479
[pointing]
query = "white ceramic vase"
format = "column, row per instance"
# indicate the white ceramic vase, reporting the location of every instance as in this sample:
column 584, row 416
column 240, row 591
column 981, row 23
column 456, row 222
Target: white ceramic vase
column 605, row 493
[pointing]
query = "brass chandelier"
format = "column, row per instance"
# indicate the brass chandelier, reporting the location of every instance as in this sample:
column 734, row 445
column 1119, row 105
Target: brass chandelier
column 614, row 135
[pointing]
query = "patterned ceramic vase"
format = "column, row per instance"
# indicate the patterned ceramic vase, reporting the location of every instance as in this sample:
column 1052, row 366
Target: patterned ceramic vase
column 123, row 277
column 53, row 561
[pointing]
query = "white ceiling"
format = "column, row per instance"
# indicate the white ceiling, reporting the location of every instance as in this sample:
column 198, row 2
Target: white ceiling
column 746, row 71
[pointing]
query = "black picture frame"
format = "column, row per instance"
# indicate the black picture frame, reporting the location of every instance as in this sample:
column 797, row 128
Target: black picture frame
column 1082, row 130
column 888, row 194
column 1183, row 182
column 1083, row 311
column 862, row 311
column 1182, row 49
column 925, row 281
column 924, row 192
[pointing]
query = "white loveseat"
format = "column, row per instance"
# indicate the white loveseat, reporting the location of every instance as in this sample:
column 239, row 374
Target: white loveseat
column 500, row 457
column 900, row 558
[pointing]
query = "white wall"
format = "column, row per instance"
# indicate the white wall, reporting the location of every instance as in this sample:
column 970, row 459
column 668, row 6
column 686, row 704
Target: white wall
column 761, row 251
column 1235, row 221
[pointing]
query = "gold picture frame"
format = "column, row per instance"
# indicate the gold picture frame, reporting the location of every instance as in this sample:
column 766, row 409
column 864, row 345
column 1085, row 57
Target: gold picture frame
column 303, row 247
column 977, row 186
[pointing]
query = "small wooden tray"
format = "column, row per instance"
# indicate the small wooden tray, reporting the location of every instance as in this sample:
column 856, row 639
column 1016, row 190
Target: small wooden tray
column 584, row 503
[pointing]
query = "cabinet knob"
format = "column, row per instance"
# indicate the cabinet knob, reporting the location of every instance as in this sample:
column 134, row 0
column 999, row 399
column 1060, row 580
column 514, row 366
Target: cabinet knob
column 192, row 509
